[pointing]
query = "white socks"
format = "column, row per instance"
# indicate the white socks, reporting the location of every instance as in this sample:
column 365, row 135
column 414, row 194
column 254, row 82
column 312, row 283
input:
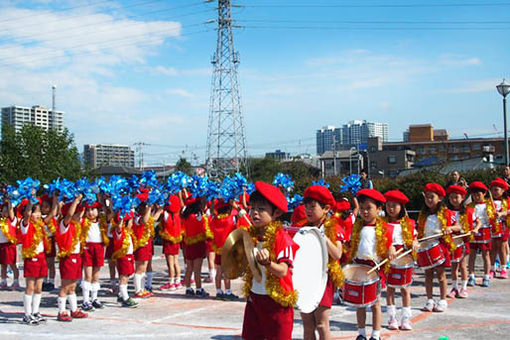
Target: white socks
column 376, row 334
column 137, row 278
column 124, row 292
column 392, row 311
column 73, row 302
column 36, row 302
column 212, row 274
column 406, row 313
column 228, row 291
column 61, row 302
column 362, row 332
column 86, row 287
column 455, row 284
column 464, row 284
column 219, row 291
column 27, row 304
column 95, row 290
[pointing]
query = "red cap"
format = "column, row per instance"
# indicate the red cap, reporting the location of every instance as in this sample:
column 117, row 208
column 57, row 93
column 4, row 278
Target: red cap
column 190, row 200
column 220, row 204
column 143, row 196
column 272, row 194
column 96, row 205
column 127, row 217
column 373, row 194
column 174, row 204
column 457, row 189
column 321, row 194
column 477, row 185
column 342, row 204
column 499, row 182
column 298, row 217
column 46, row 198
column 65, row 208
column 247, row 197
column 20, row 207
column 436, row 188
column 396, row 196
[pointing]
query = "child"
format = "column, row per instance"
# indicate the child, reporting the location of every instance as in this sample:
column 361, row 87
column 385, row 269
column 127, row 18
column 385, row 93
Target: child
column 484, row 211
column 435, row 218
column 345, row 216
column 371, row 242
column 269, row 311
column 123, row 245
column 196, row 232
column 318, row 202
column 8, row 245
column 404, row 236
column 50, row 225
column 465, row 218
column 68, row 239
column 170, row 232
column 94, row 237
column 498, row 187
column 33, row 240
column 297, row 220
column 222, row 224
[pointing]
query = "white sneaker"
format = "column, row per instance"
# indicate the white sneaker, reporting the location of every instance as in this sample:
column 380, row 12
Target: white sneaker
column 441, row 306
column 429, row 306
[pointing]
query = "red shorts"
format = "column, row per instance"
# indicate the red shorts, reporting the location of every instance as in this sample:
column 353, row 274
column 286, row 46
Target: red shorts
column 266, row 319
column 93, row 255
column 70, row 267
column 109, row 249
column 53, row 250
column 327, row 298
column 482, row 246
column 144, row 253
column 35, row 266
column 195, row 251
column 209, row 246
column 506, row 234
column 126, row 265
column 8, row 253
column 217, row 259
column 170, row 248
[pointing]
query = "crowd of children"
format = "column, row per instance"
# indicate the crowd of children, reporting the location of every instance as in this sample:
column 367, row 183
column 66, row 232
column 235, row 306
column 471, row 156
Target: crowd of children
column 82, row 235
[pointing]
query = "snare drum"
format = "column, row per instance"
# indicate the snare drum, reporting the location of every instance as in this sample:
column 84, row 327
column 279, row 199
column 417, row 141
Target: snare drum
column 483, row 235
column 459, row 253
column 360, row 289
column 401, row 272
column 430, row 255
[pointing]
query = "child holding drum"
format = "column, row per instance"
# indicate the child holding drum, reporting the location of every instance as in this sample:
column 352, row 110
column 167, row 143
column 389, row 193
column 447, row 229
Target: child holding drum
column 465, row 218
column 404, row 236
column 498, row 187
column 484, row 211
column 371, row 243
column 318, row 202
column 436, row 219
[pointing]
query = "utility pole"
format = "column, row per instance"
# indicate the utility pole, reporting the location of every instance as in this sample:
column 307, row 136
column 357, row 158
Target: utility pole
column 226, row 143
column 139, row 149
column 334, row 154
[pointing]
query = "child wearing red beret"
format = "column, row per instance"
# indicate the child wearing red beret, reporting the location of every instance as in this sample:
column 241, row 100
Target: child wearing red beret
column 49, row 212
column 371, row 242
column 171, row 233
column 404, row 236
column 435, row 218
column 465, row 217
column 269, row 312
column 8, row 242
column 484, row 212
column 318, row 202
column 499, row 232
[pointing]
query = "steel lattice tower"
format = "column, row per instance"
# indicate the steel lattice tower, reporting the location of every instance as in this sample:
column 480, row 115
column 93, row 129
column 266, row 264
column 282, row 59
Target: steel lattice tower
column 226, row 143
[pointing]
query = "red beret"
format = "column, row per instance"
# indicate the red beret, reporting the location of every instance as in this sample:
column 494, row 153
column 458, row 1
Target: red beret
column 477, row 185
column 220, row 204
column 174, row 204
column 396, row 196
column 96, row 205
column 143, row 196
column 65, row 208
column 436, row 188
column 373, row 194
column 247, row 197
column 321, row 194
column 127, row 217
column 457, row 189
column 46, row 198
column 190, row 200
column 20, row 207
column 298, row 217
column 499, row 182
column 342, row 204
column 272, row 194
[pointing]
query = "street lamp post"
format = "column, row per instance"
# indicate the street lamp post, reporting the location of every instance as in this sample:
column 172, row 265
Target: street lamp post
column 504, row 89
column 350, row 159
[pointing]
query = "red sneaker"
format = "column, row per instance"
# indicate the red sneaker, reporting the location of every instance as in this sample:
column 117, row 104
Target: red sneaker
column 64, row 316
column 78, row 314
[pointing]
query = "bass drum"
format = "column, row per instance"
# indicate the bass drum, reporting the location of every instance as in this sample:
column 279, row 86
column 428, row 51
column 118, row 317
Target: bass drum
column 310, row 268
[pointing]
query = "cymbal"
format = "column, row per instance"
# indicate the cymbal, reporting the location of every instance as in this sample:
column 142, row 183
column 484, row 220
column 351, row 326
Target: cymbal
column 233, row 257
column 249, row 249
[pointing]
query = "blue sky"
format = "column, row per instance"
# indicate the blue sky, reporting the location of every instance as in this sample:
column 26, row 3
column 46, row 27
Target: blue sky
column 139, row 71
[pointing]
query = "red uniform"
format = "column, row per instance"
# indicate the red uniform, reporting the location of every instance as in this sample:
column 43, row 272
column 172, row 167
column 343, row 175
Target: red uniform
column 221, row 227
column 33, row 240
column 171, row 232
column 123, row 251
column 69, row 250
column 144, row 233
column 8, row 241
column 196, row 232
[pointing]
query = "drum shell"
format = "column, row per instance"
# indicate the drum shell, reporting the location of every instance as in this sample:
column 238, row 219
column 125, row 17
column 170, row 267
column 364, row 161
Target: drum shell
column 459, row 253
column 483, row 236
column 358, row 293
column 431, row 256
column 401, row 275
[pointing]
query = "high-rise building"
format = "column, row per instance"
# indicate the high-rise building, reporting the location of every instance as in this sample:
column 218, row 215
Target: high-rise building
column 327, row 137
column 96, row 155
column 17, row 116
column 354, row 133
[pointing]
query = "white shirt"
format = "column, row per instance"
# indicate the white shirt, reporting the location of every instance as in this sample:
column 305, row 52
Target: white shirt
column 398, row 239
column 481, row 215
column 260, row 287
column 48, row 231
column 94, row 235
column 130, row 247
column 63, row 230
column 40, row 246
column 3, row 238
column 367, row 244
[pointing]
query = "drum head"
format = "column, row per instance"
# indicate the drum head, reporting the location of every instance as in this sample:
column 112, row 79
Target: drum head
column 310, row 272
column 359, row 273
column 404, row 261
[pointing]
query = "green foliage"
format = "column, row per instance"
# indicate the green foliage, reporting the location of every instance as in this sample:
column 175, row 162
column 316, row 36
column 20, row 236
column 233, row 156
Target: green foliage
column 36, row 153
column 184, row 166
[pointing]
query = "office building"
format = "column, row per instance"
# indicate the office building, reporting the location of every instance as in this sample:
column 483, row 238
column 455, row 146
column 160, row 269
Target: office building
column 17, row 116
column 97, row 155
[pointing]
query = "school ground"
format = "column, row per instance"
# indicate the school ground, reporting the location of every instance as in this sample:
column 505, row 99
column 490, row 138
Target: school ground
column 171, row 315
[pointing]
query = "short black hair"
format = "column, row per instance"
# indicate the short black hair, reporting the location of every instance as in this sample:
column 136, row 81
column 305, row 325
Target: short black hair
column 257, row 197
column 224, row 210
column 363, row 198
column 310, row 200
column 402, row 212
column 475, row 190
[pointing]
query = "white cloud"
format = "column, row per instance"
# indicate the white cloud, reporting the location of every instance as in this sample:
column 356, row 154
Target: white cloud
column 482, row 85
column 180, row 93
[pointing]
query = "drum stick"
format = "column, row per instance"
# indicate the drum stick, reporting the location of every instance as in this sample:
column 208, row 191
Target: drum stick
column 374, row 268
column 461, row 235
column 430, row 237
column 247, row 220
column 404, row 254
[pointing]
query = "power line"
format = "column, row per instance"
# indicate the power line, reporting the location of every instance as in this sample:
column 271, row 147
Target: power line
column 384, row 22
column 417, row 5
column 332, row 28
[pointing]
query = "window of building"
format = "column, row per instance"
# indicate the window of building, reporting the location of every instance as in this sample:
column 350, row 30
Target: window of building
column 373, row 164
column 476, row 146
column 392, row 159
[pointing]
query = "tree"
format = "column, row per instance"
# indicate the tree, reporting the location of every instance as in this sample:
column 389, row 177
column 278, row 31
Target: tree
column 184, row 166
column 37, row 153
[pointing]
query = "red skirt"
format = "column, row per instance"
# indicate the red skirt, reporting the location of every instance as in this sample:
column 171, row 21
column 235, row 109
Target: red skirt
column 195, row 251
column 8, row 253
column 447, row 258
column 35, row 267
column 329, row 292
column 170, row 248
column 481, row 246
column 70, row 267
